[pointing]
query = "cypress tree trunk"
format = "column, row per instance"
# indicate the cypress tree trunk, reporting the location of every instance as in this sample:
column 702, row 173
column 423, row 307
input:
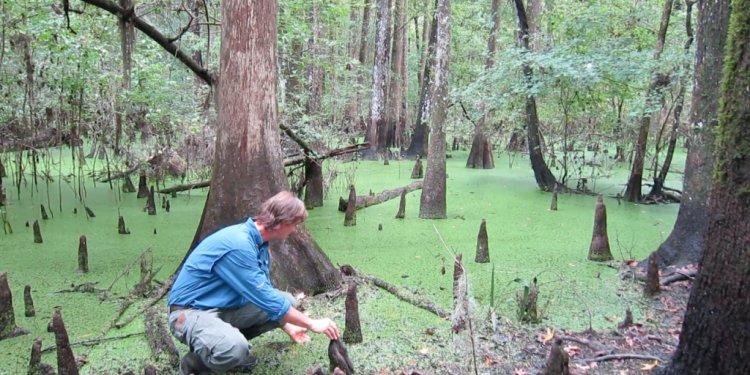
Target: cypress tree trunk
column 142, row 186
column 686, row 241
column 716, row 329
column 313, row 183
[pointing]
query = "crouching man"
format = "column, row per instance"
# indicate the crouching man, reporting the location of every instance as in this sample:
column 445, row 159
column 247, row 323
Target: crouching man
column 223, row 294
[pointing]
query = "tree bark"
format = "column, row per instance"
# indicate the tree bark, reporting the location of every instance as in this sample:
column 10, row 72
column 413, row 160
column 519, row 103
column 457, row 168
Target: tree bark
column 658, row 81
column 376, row 126
column 544, row 177
column 480, row 156
column 686, row 241
column 248, row 165
column 716, row 328
column 432, row 203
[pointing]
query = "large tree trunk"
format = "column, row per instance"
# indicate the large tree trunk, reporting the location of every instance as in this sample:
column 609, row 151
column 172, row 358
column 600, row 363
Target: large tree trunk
column 396, row 111
column 248, row 165
column 544, row 177
column 377, row 121
column 658, row 81
column 716, row 330
column 480, row 155
column 432, row 202
column 686, row 241
column 420, row 138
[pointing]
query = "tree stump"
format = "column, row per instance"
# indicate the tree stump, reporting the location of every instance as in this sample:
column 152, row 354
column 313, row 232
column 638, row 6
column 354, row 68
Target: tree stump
column 652, row 287
column 460, row 316
column 36, row 367
column 483, row 251
column 127, row 186
column 353, row 330
column 401, row 206
column 44, row 212
column 350, row 217
column 558, row 360
column 142, row 186
column 28, row 302
column 8, row 326
column 66, row 362
column 151, row 202
column 83, row 254
column 37, row 233
column 418, row 170
column 121, row 229
column 339, row 357
column 599, row 249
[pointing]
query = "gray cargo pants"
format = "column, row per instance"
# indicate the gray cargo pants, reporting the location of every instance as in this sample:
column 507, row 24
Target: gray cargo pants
column 219, row 336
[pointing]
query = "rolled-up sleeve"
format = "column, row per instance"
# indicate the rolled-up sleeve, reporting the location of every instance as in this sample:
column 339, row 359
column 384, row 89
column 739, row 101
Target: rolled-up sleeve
column 244, row 276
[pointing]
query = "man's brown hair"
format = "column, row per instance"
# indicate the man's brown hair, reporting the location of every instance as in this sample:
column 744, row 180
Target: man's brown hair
column 281, row 209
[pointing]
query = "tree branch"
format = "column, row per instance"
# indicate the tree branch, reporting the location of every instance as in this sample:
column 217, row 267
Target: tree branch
column 140, row 24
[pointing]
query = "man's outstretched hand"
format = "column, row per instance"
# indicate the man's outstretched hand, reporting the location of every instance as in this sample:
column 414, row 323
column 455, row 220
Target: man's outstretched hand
column 325, row 326
column 296, row 333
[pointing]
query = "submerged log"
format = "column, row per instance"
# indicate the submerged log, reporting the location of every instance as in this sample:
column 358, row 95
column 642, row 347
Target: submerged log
column 339, row 357
column 37, row 232
column 353, row 330
column 159, row 339
column 599, row 250
column 66, row 362
column 83, row 254
column 8, row 326
column 483, row 250
column 386, row 195
column 350, row 218
column 184, row 187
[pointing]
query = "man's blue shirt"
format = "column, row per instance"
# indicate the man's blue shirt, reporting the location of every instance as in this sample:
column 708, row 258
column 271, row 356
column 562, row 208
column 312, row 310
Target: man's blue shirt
column 229, row 268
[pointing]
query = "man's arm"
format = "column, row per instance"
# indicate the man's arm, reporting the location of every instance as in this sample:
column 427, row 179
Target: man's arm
column 325, row 326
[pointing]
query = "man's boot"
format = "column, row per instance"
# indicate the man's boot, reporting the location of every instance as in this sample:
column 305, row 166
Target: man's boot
column 191, row 364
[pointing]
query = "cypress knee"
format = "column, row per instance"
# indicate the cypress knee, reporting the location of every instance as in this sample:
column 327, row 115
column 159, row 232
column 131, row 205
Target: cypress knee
column 142, row 186
column 339, row 357
column 28, row 302
column 483, row 251
column 121, row 226
column 8, row 326
column 350, row 217
column 66, row 362
column 553, row 205
column 36, row 367
column 37, row 233
column 401, row 206
column 353, row 330
column 385, row 158
column 150, row 202
column 89, row 212
column 417, row 171
column 558, row 360
column 599, row 249
column 652, row 276
column 83, row 255
column 44, row 212
column 167, row 207
column 127, row 186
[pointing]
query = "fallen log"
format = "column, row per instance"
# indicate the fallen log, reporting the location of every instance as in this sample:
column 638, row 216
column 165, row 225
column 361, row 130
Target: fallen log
column 404, row 296
column 287, row 162
column 370, row 200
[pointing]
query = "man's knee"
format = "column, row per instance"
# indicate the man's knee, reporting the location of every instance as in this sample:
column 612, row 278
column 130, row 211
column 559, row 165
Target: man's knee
column 232, row 351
